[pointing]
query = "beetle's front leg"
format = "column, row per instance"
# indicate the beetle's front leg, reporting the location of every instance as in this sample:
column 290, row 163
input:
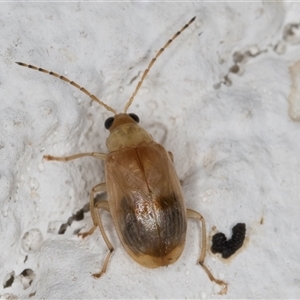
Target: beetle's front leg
column 75, row 156
column 195, row 215
column 94, row 209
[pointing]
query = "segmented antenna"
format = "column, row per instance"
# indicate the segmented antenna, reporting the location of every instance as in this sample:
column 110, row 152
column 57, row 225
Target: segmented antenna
column 153, row 61
column 93, row 97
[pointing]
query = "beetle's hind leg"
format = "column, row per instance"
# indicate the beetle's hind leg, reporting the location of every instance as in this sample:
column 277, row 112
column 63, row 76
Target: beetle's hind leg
column 195, row 215
column 94, row 209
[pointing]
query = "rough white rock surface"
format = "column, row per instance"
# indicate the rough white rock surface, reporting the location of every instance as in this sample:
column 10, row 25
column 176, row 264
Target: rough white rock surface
column 220, row 93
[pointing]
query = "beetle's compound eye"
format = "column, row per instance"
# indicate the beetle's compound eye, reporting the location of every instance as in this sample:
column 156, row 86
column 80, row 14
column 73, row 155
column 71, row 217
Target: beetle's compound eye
column 135, row 117
column 108, row 122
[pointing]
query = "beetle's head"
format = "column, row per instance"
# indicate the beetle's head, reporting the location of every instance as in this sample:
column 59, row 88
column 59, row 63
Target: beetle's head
column 125, row 132
column 119, row 119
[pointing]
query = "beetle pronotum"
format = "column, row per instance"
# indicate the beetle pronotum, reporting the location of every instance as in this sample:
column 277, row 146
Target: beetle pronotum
column 144, row 193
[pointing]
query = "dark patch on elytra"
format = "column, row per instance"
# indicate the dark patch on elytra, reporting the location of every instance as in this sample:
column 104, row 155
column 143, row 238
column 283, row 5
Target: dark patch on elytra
column 156, row 229
column 220, row 244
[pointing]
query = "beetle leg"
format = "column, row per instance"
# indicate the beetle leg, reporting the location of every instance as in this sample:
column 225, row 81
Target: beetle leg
column 195, row 215
column 98, row 188
column 171, row 156
column 103, row 204
column 67, row 158
column 172, row 159
column 94, row 209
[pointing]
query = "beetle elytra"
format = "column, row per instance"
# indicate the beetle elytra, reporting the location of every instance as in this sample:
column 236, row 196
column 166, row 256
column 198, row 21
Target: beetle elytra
column 145, row 197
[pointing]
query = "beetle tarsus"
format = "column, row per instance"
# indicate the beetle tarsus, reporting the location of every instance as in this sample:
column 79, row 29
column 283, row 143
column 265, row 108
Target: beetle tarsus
column 212, row 278
column 103, row 270
column 87, row 233
column 98, row 275
column 48, row 157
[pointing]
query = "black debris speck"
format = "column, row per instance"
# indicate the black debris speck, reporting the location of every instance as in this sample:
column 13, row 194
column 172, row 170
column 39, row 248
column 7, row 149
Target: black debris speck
column 220, row 244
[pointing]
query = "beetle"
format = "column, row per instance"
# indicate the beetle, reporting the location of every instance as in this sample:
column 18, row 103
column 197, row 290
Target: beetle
column 145, row 198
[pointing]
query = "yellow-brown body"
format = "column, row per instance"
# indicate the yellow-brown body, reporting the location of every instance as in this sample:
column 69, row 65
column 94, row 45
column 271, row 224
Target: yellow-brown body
column 146, row 201
column 144, row 195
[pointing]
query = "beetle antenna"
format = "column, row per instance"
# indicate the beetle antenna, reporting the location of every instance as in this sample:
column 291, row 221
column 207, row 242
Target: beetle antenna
column 93, row 97
column 153, row 61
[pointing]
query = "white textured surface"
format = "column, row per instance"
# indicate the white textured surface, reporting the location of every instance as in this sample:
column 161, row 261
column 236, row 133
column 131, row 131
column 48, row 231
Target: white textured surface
column 235, row 147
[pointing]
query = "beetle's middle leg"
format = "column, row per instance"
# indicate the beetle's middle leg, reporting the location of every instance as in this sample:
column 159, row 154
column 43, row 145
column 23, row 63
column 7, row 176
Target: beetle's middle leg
column 195, row 215
column 172, row 159
column 171, row 156
column 94, row 209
